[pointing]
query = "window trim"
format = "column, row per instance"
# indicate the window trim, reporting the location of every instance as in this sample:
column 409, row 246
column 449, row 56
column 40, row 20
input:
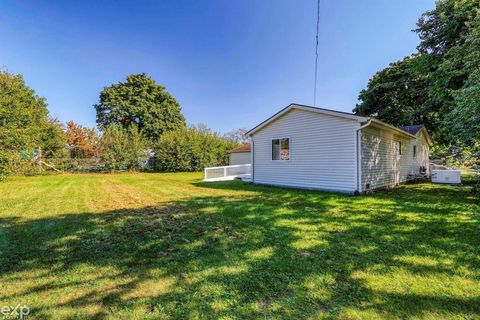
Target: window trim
column 289, row 148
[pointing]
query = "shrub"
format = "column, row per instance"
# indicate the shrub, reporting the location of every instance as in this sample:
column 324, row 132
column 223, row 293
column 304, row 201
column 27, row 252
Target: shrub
column 123, row 149
column 191, row 149
column 5, row 165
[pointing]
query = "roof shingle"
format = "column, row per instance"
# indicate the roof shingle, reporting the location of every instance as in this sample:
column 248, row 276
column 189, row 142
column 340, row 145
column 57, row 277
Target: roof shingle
column 413, row 129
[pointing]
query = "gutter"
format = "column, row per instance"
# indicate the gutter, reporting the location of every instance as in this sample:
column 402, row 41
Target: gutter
column 359, row 159
column 384, row 124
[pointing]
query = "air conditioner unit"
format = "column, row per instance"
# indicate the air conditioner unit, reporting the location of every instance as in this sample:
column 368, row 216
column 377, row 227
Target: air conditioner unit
column 446, row 176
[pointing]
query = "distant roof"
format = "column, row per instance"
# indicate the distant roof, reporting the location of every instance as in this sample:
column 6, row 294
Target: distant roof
column 243, row 148
column 412, row 129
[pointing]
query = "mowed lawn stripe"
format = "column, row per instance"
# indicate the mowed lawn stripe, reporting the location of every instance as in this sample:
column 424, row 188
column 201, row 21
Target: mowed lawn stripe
column 169, row 246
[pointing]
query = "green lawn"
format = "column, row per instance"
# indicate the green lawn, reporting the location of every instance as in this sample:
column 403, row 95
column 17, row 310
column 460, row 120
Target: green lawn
column 168, row 246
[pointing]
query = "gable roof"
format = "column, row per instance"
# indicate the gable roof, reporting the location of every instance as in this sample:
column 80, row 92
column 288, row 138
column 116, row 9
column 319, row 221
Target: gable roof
column 291, row 106
column 416, row 130
column 243, row 148
column 410, row 131
column 413, row 129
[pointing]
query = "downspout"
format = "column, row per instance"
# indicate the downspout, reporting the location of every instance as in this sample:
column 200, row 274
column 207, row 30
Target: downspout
column 359, row 159
column 252, row 159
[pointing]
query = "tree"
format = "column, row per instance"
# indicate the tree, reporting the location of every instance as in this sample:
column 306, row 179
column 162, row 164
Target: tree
column 24, row 119
column 81, row 141
column 191, row 149
column 123, row 149
column 465, row 118
column 445, row 26
column 398, row 94
column 440, row 83
column 53, row 139
column 424, row 88
column 237, row 136
column 142, row 102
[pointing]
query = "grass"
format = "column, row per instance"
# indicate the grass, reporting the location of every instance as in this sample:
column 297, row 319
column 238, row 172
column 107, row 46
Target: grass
column 167, row 246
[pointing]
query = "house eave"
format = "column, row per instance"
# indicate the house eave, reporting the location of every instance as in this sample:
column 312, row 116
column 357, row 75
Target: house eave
column 292, row 106
column 427, row 136
column 393, row 128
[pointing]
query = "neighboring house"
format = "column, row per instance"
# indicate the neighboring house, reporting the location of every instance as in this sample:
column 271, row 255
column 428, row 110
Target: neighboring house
column 315, row 148
column 241, row 155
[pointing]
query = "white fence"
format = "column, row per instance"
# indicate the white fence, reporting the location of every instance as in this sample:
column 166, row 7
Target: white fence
column 241, row 171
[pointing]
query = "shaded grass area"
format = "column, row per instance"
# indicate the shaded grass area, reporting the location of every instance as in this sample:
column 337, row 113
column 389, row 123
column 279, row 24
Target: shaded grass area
column 168, row 246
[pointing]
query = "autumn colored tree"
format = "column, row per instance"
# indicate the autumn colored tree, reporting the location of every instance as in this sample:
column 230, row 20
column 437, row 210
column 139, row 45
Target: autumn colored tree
column 81, row 141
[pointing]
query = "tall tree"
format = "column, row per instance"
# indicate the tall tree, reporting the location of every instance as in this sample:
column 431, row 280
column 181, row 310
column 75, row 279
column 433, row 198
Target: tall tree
column 398, row 94
column 139, row 101
column 445, row 26
column 24, row 118
column 425, row 88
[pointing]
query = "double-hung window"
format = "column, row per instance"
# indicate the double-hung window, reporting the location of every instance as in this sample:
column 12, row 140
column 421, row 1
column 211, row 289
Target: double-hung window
column 281, row 149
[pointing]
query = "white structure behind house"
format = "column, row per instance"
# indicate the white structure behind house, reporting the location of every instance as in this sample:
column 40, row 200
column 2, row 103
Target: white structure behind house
column 240, row 155
column 317, row 148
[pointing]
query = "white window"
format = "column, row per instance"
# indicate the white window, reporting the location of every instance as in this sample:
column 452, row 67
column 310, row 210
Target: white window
column 281, row 149
column 414, row 151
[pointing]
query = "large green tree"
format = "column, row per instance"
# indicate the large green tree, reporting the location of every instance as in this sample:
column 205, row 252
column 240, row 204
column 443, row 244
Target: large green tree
column 24, row 118
column 443, row 91
column 139, row 101
column 445, row 26
column 25, row 125
column 433, row 86
column 399, row 94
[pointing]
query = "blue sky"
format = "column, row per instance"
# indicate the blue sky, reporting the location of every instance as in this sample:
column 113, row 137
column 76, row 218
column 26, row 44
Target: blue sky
column 229, row 63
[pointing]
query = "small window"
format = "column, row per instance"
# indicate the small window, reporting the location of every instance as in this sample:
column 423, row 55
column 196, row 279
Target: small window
column 281, row 149
column 414, row 151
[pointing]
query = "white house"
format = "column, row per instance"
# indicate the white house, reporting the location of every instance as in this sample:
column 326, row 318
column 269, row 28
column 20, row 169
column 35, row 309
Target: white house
column 240, row 155
column 315, row 148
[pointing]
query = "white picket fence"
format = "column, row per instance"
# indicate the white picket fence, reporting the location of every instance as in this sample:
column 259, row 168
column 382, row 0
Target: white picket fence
column 241, row 171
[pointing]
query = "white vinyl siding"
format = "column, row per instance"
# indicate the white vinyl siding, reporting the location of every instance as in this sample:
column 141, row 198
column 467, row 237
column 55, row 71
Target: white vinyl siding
column 382, row 165
column 423, row 150
column 322, row 152
column 240, row 158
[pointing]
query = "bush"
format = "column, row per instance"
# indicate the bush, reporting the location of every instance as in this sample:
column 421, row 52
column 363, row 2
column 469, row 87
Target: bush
column 123, row 149
column 5, row 165
column 191, row 149
column 12, row 164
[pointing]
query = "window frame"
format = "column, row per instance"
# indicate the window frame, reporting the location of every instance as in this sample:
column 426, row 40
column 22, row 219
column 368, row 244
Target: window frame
column 289, row 148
